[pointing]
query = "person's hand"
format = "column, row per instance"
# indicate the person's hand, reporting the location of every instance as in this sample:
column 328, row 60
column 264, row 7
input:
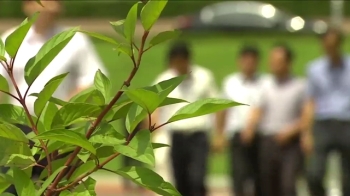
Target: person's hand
column 307, row 143
column 282, row 138
column 247, row 136
column 219, row 143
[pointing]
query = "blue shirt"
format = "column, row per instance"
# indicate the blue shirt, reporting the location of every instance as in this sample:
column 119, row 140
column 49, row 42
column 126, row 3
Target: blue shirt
column 329, row 87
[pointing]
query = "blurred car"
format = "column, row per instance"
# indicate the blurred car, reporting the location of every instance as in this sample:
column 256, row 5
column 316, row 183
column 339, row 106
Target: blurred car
column 248, row 15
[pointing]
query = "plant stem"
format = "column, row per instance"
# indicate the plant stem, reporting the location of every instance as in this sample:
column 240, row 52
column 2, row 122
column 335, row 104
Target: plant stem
column 34, row 127
column 99, row 119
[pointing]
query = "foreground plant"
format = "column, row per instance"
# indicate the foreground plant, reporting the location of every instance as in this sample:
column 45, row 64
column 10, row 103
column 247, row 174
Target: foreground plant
column 91, row 139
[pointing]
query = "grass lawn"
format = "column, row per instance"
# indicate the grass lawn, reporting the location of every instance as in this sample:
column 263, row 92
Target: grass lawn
column 216, row 52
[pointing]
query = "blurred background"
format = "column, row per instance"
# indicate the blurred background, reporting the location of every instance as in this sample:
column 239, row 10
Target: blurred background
column 216, row 29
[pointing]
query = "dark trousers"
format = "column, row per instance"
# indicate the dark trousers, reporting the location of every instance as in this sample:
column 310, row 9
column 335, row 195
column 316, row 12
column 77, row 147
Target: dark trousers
column 189, row 154
column 279, row 166
column 244, row 167
column 329, row 135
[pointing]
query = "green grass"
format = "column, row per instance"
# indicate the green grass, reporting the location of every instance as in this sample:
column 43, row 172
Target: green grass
column 216, row 52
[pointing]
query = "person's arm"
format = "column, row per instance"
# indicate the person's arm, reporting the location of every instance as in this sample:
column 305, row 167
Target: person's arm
column 88, row 62
column 254, row 117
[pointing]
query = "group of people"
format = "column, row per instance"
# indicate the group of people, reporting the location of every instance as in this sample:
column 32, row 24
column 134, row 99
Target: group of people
column 287, row 130
column 286, row 119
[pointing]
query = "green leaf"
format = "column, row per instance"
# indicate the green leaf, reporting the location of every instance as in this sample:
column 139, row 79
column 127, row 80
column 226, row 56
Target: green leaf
column 148, row 179
column 171, row 101
column 118, row 26
column 85, row 188
column 4, row 86
column 20, row 161
column 5, row 182
column 202, row 107
column 84, row 168
column 107, row 140
column 49, row 180
column 23, row 184
column 2, row 58
column 164, row 88
column 84, row 156
column 56, row 164
column 135, row 115
column 151, row 12
column 140, row 148
column 74, row 111
column 102, row 84
column 146, row 99
column 100, row 37
column 130, row 23
column 12, row 114
column 82, row 96
column 164, row 36
column 49, row 113
column 68, row 137
column 2, row 49
column 52, row 100
column 121, row 110
column 14, row 41
column 47, row 92
column 46, row 54
column 13, row 133
column 124, row 48
column 159, row 145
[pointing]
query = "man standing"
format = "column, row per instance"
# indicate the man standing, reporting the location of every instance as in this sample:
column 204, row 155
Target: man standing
column 189, row 138
column 278, row 115
column 327, row 112
column 243, row 87
column 78, row 57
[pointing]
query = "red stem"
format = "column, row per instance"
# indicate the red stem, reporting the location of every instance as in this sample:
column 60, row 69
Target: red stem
column 99, row 119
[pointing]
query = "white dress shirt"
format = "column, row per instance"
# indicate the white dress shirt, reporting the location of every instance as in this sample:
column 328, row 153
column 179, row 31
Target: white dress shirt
column 199, row 84
column 78, row 58
column 236, row 87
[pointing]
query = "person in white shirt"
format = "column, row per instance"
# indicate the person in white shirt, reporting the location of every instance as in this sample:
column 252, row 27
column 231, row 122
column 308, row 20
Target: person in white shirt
column 244, row 87
column 78, row 58
column 277, row 118
column 189, row 138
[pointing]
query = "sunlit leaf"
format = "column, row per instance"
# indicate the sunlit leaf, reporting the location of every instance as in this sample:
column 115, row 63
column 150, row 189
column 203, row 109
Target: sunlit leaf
column 164, row 36
column 202, row 107
column 20, row 161
column 130, row 23
column 118, row 26
column 12, row 114
column 23, row 184
column 4, row 86
column 100, row 37
column 85, row 188
column 49, row 113
column 146, row 99
column 148, row 179
column 74, row 111
column 2, row 49
column 151, row 12
column 52, row 100
column 103, row 84
column 159, row 145
column 84, row 168
column 140, row 148
column 69, row 137
column 49, row 180
column 15, row 39
column 36, row 65
column 135, row 116
column 47, row 92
